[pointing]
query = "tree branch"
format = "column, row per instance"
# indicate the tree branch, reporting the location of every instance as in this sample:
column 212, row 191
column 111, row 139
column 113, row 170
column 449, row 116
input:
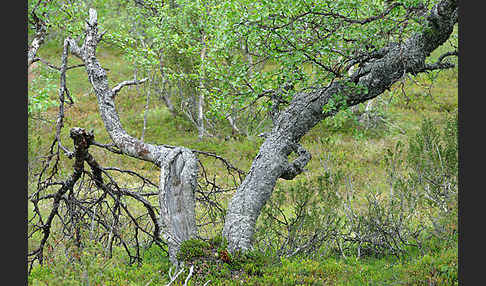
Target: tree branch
column 39, row 37
column 53, row 66
column 440, row 65
column 296, row 167
column 119, row 86
column 81, row 145
column 359, row 21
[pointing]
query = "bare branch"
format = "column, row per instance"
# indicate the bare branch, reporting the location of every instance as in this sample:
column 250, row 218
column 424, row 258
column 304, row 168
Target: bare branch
column 297, row 166
column 359, row 21
column 119, row 86
column 63, row 90
column 173, row 278
column 448, row 54
column 437, row 66
column 225, row 162
column 81, row 148
column 109, row 147
column 74, row 48
column 53, row 66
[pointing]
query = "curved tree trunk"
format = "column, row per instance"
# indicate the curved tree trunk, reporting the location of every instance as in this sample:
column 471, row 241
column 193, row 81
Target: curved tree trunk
column 178, row 165
column 306, row 110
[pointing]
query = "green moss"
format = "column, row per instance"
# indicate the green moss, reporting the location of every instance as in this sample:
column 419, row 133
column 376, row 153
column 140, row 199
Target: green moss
column 193, row 248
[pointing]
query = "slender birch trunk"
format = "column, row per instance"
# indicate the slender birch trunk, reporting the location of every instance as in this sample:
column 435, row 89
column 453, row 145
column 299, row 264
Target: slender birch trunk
column 200, row 104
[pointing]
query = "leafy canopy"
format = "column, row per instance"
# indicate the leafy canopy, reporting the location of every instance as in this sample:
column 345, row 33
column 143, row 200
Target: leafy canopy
column 253, row 49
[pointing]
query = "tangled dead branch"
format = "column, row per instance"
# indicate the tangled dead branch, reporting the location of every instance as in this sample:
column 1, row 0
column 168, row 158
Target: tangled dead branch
column 91, row 205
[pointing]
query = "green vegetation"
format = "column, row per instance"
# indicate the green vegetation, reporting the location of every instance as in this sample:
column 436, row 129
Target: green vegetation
column 377, row 204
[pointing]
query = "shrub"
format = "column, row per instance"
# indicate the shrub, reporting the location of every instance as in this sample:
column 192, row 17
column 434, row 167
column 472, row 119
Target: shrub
column 433, row 161
column 422, row 182
column 299, row 219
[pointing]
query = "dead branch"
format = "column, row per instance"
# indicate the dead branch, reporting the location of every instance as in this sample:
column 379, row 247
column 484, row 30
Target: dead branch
column 121, row 85
column 100, row 210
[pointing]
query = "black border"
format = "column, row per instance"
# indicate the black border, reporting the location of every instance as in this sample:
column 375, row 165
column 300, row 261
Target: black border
column 471, row 143
column 14, row 118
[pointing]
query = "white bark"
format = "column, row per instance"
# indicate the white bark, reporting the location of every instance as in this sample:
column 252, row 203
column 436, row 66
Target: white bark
column 200, row 104
column 37, row 41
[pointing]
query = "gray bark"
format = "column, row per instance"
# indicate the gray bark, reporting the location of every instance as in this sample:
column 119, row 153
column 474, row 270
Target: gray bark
column 200, row 104
column 178, row 165
column 178, row 180
column 306, row 110
column 38, row 40
column 234, row 128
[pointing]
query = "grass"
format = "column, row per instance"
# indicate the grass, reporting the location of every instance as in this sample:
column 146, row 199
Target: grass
column 357, row 151
column 438, row 267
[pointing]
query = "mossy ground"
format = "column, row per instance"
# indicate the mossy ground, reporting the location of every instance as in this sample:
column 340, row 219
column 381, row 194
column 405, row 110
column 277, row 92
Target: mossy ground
column 436, row 267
